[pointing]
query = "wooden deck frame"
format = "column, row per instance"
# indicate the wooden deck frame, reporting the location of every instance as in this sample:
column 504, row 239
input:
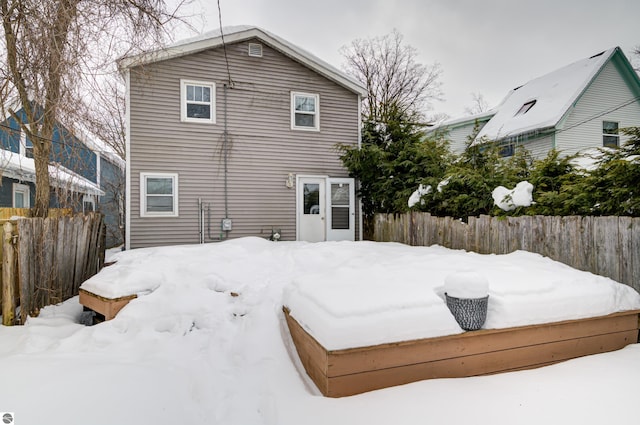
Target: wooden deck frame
column 108, row 307
column 340, row 373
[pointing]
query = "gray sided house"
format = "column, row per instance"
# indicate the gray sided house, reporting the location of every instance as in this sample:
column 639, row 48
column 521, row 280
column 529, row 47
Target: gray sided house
column 237, row 137
column 572, row 109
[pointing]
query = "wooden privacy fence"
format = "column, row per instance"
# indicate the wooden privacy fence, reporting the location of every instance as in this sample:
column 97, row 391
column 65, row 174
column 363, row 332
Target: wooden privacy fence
column 608, row 246
column 44, row 261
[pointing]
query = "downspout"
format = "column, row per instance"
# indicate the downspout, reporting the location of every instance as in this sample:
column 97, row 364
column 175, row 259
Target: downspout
column 225, row 153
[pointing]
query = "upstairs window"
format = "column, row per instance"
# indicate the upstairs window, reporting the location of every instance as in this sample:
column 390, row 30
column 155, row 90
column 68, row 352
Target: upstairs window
column 610, row 135
column 198, row 100
column 525, row 108
column 26, row 146
column 305, row 111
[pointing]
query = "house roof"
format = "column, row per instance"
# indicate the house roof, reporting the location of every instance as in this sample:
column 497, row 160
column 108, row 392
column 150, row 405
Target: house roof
column 462, row 121
column 213, row 39
column 542, row 103
column 22, row 168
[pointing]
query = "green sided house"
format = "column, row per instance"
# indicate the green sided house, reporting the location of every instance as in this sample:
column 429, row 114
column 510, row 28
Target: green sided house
column 236, row 136
column 578, row 107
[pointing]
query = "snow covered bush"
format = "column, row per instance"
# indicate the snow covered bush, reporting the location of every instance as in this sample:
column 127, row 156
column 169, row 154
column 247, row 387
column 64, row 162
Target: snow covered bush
column 510, row 199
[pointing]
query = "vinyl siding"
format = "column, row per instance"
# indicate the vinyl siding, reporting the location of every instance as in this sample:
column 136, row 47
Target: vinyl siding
column 458, row 136
column 263, row 149
column 539, row 148
column 583, row 127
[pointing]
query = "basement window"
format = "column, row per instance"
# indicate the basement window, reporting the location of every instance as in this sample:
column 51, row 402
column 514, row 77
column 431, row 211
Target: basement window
column 525, row 108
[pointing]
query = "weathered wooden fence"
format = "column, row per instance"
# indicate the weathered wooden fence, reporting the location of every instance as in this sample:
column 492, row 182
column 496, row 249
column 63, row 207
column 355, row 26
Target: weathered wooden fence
column 608, row 246
column 7, row 213
column 44, row 261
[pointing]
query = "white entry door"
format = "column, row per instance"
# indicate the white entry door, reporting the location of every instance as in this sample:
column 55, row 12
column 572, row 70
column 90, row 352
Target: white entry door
column 311, row 209
column 341, row 213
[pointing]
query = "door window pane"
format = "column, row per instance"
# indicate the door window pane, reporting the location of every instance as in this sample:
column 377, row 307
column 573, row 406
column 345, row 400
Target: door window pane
column 340, row 194
column 311, row 192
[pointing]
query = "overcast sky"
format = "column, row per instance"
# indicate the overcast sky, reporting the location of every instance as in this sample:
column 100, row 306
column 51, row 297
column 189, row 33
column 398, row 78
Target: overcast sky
column 485, row 46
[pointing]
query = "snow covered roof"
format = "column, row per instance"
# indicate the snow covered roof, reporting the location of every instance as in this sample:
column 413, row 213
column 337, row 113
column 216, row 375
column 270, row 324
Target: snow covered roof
column 23, row 168
column 461, row 121
column 542, row 102
column 236, row 34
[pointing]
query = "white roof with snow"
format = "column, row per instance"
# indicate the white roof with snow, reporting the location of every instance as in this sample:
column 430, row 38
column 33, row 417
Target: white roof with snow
column 553, row 94
column 236, row 34
column 22, row 168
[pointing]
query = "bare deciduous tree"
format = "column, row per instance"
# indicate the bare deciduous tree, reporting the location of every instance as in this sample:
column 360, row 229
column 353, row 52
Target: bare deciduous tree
column 398, row 87
column 55, row 51
column 478, row 106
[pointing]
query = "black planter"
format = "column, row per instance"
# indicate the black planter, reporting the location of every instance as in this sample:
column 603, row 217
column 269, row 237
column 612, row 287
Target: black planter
column 470, row 313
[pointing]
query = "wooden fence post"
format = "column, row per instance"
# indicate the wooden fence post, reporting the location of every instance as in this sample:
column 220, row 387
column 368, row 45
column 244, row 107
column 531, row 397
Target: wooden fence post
column 8, row 276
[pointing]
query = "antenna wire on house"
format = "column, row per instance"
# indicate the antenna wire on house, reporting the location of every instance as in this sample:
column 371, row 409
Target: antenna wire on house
column 224, row 45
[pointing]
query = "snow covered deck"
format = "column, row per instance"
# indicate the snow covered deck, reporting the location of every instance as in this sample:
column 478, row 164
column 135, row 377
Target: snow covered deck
column 345, row 372
column 108, row 307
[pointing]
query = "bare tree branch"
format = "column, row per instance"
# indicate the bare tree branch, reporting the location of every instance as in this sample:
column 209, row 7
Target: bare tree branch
column 397, row 86
column 58, row 55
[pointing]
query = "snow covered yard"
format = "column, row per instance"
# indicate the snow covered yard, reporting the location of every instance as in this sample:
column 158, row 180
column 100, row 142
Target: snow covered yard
column 188, row 350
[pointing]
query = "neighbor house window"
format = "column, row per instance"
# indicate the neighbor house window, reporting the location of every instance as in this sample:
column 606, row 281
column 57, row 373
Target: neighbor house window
column 158, row 195
column 610, row 135
column 21, row 196
column 88, row 203
column 198, row 101
column 26, row 146
column 525, row 108
column 305, row 111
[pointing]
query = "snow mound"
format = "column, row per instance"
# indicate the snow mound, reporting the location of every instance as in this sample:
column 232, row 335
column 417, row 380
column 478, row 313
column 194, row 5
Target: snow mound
column 510, row 199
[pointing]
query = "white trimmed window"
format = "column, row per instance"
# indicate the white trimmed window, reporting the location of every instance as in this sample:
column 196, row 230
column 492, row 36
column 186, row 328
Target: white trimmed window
column 610, row 134
column 158, row 194
column 305, row 111
column 88, row 203
column 197, row 101
column 21, row 196
column 26, row 147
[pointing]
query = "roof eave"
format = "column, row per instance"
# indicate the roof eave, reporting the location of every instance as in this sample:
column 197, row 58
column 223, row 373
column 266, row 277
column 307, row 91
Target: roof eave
column 272, row 40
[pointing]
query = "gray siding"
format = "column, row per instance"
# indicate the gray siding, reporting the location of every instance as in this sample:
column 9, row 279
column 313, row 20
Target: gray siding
column 583, row 127
column 262, row 147
column 458, row 136
column 539, row 148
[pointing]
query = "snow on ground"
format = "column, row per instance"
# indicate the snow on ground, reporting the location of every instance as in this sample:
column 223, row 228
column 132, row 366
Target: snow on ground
column 206, row 343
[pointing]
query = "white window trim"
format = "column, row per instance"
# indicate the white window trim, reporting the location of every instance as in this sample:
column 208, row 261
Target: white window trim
column 183, row 101
column 23, row 143
column 88, row 199
column 316, row 113
column 143, row 195
column 26, row 193
column 616, row 135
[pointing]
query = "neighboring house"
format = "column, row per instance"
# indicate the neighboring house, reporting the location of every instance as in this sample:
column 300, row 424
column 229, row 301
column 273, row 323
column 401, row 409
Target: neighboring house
column 236, row 136
column 577, row 107
column 81, row 175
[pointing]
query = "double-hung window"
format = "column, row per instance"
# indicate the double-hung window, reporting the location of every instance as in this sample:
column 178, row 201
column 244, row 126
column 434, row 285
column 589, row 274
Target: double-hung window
column 21, row 196
column 305, row 111
column 197, row 101
column 610, row 135
column 158, row 194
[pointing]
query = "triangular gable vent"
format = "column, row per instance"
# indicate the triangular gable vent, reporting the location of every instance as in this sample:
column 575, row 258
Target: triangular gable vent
column 255, row 50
